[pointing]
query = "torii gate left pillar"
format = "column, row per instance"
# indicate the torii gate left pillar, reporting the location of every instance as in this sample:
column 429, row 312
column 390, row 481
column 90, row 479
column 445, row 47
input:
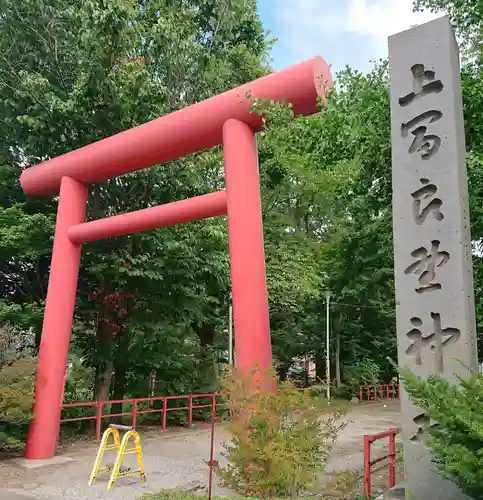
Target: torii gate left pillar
column 224, row 119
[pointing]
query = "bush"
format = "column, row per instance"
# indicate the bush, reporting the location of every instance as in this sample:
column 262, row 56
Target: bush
column 17, row 371
column 362, row 372
column 279, row 440
column 456, row 441
column 343, row 392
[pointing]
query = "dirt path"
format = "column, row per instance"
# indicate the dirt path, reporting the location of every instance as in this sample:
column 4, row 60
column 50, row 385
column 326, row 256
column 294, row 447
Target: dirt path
column 174, row 459
column 370, row 419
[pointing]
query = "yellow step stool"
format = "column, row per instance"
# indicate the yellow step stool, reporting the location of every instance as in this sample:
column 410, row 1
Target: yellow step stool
column 118, row 470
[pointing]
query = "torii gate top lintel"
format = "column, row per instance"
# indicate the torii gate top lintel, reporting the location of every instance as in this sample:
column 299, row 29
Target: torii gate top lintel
column 181, row 133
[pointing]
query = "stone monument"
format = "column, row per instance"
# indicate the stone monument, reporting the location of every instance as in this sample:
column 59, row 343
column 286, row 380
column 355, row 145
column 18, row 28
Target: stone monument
column 435, row 311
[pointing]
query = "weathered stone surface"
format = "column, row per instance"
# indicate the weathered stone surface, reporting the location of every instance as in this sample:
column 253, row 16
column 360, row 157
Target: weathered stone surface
column 432, row 246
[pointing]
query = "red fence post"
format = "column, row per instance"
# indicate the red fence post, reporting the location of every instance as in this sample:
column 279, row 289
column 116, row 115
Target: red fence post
column 392, row 460
column 368, row 391
column 368, row 462
column 212, row 463
column 360, row 393
column 165, row 412
column 133, row 412
column 190, row 411
column 99, row 420
column 367, row 468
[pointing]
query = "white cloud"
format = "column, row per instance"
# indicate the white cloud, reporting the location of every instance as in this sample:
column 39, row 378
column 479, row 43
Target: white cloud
column 305, row 20
column 382, row 19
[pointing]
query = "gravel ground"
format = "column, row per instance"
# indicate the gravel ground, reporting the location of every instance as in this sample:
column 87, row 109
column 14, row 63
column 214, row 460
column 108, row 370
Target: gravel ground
column 174, row 459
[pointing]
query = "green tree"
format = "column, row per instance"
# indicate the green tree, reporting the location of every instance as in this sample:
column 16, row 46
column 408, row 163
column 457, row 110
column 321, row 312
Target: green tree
column 81, row 72
column 453, row 414
column 467, row 18
column 327, row 198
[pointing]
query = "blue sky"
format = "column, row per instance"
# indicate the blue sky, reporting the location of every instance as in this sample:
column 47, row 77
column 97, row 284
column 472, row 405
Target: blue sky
column 342, row 31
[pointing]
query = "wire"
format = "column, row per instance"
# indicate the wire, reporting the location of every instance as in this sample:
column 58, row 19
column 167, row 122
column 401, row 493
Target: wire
column 361, row 306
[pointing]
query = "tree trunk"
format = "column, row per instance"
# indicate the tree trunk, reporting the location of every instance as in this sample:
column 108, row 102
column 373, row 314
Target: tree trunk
column 102, row 385
column 319, row 366
column 105, row 339
column 103, row 381
column 337, row 360
column 306, row 371
column 38, row 338
column 152, row 387
column 120, row 371
column 282, row 372
column 337, row 328
column 207, row 361
column 206, row 334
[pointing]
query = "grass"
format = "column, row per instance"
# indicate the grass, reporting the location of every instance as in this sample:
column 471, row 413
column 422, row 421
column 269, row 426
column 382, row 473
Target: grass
column 179, row 495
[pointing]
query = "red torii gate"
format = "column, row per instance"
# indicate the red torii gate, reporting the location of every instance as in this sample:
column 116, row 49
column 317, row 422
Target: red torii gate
column 224, row 119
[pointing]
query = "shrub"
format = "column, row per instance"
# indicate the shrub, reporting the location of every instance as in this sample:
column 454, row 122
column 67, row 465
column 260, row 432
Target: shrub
column 17, row 370
column 456, row 441
column 343, row 392
column 362, row 372
column 281, row 438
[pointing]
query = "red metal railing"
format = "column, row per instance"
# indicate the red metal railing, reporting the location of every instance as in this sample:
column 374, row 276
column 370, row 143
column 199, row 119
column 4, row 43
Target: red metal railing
column 378, row 392
column 135, row 411
column 368, row 462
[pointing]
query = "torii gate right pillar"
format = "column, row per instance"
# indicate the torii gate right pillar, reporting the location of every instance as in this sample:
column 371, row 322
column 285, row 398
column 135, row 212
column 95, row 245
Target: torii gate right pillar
column 247, row 255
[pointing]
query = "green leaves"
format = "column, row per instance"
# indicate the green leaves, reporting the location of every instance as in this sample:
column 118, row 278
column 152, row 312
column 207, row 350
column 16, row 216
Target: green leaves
column 79, row 72
column 456, row 439
column 28, row 231
column 467, row 17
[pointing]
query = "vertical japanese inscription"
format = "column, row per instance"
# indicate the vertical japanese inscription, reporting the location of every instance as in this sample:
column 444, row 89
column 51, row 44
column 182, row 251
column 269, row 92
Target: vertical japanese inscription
column 426, row 259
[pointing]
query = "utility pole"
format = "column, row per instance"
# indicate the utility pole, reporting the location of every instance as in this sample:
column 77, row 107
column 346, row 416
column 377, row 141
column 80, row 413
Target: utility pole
column 327, row 340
